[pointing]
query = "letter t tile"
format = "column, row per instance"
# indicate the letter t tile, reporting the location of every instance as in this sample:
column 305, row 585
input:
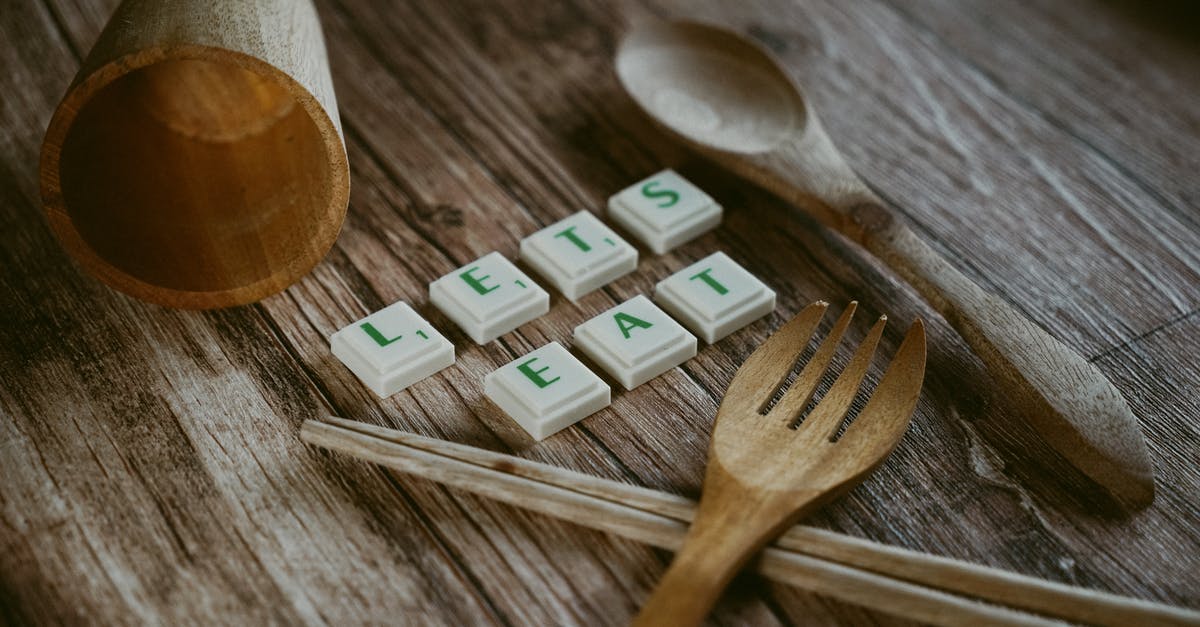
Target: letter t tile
column 579, row 254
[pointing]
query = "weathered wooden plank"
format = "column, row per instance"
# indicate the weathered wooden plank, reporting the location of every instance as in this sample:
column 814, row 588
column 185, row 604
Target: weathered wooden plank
column 663, row 437
column 157, row 474
column 390, row 275
column 1163, row 370
column 152, row 473
column 486, row 218
column 1119, row 75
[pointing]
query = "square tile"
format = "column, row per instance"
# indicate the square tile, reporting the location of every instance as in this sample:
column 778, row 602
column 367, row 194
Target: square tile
column 635, row 341
column 546, row 390
column 579, row 254
column 714, row 297
column 664, row 211
column 391, row 349
column 489, row 297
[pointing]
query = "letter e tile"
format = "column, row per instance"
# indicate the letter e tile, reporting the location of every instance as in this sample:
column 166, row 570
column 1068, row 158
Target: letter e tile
column 547, row 390
column 489, row 297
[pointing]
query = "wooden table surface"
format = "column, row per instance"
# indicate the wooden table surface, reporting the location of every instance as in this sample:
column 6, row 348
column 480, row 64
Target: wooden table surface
column 151, row 466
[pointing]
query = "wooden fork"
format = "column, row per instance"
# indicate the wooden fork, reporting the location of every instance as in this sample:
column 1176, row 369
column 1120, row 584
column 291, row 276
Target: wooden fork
column 763, row 475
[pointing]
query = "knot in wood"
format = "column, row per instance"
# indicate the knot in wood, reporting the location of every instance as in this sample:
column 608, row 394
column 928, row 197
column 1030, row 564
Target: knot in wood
column 869, row 218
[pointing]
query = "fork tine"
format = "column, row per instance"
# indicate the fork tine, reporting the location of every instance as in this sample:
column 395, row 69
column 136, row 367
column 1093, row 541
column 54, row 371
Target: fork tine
column 827, row 416
column 886, row 416
column 797, row 396
column 767, row 367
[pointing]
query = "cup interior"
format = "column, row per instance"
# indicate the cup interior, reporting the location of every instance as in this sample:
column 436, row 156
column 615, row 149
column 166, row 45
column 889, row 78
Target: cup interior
column 198, row 176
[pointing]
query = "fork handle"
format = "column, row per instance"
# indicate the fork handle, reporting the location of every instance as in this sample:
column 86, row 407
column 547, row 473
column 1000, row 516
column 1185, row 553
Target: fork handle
column 709, row 558
column 730, row 527
column 1067, row 400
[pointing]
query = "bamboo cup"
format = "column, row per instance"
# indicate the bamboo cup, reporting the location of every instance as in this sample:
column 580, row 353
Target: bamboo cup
column 197, row 158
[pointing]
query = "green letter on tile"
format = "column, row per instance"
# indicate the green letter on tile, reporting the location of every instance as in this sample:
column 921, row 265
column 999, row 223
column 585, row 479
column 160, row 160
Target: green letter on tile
column 569, row 233
column 626, row 322
column 535, row 375
column 477, row 283
column 713, row 283
column 376, row 335
column 670, row 197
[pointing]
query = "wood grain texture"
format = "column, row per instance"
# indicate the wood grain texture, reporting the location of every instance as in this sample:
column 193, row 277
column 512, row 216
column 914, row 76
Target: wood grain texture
column 151, row 464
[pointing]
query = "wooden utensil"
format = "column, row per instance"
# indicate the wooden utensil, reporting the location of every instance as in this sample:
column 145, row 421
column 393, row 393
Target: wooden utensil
column 897, row 581
column 197, row 158
column 763, row 475
column 733, row 103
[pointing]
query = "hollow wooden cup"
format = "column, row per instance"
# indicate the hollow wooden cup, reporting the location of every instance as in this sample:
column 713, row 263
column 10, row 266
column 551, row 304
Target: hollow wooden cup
column 197, row 158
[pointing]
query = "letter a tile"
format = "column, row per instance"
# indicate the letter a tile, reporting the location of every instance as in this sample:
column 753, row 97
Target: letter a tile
column 635, row 341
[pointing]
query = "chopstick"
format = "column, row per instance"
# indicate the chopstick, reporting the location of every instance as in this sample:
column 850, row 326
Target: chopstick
column 897, row 581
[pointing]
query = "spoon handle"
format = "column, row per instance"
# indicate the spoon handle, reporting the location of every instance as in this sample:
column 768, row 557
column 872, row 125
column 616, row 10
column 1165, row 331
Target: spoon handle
column 1067, row 400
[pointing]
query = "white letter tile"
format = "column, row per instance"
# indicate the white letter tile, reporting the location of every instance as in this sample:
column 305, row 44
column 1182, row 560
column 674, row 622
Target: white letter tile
column 714, row 297
column 578, row 254
column 664, row 211
column 391, row 349
column 546, row 390
column 635, row 341
column 489, row 297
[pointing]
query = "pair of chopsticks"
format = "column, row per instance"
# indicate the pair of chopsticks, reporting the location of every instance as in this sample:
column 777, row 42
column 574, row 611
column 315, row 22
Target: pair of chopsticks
column 896, row 581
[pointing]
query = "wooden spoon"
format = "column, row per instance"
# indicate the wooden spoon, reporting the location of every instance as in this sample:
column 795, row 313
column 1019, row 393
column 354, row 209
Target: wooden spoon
column 731, row 101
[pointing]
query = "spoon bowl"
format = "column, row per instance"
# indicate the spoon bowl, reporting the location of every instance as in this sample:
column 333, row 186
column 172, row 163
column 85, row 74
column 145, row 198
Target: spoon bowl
column 690, row 78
